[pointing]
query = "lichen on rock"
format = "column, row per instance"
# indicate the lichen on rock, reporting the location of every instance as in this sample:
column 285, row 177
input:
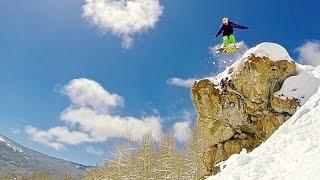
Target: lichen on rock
column 241, row 111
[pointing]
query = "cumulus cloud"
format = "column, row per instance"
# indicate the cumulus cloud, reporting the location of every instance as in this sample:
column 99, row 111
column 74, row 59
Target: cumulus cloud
column 57, row 136
column 123, row 18
column 88, row 93
column 181, row 131
column 43, row 138
column 182, row 128
column 102, row 126
column 309, row 53
column 90, row 119
column 186, row 83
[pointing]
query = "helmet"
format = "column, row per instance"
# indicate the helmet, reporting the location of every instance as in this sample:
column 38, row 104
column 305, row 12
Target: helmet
column 225, row 20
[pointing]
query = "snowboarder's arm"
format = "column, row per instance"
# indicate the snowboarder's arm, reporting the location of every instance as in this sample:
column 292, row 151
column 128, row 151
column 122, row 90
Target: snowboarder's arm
column 238, row 26
column 220, row 31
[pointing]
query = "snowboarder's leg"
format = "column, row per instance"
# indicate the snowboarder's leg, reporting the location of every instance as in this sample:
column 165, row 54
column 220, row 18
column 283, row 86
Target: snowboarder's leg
column 225, row 41
column 232, row 39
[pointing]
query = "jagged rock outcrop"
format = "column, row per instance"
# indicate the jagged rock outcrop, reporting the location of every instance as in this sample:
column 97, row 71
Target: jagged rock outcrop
column 241, row 110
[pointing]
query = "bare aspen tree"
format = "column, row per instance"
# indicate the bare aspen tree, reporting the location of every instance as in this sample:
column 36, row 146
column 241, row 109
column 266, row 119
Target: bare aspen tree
column 194, row 154
column 121, row 165
column 169, row 160
column 147, row 159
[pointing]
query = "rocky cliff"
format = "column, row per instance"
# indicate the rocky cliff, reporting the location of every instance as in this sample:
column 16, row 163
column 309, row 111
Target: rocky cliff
column 239, row 108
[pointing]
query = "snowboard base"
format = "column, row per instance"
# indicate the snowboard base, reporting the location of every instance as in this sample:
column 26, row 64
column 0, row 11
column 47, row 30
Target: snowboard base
column 229, row 49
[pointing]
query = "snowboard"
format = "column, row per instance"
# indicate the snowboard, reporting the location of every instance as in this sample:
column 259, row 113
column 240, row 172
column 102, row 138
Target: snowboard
column 228, row 49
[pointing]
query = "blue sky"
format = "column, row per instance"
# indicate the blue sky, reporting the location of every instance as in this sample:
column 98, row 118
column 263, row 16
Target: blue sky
column 46, row 44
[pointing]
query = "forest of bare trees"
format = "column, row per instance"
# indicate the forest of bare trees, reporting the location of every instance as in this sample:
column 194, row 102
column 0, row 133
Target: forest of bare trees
column 151, row 159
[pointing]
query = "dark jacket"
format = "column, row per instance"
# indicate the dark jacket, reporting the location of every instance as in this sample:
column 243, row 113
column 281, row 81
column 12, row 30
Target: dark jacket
column 227, row 30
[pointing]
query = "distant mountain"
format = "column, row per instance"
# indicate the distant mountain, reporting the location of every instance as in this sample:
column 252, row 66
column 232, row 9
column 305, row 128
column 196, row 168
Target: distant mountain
column 17, row 157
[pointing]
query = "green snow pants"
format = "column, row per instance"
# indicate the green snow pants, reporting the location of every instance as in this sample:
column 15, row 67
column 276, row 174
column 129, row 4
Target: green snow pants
column 227, row 40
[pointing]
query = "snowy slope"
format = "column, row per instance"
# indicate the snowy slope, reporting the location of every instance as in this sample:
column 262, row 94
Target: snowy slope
column 10, row 145
column 293, row 151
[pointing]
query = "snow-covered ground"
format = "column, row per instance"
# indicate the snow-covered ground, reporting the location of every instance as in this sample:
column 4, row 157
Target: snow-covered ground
column 293, row 151
column 14, row 148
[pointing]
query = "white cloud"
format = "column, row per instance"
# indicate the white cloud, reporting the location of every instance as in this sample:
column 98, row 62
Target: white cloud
column 309, row 53
column 102, row 126
column 123, row 18
column 43, row 138
column 181, row 131
column 186, row 83
column 94, row 151
column 90, row 118
column 58, row 136
column 88, row 93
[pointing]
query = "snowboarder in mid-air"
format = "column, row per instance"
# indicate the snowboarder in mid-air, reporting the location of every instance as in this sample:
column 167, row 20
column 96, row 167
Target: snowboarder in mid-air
column 229, row 39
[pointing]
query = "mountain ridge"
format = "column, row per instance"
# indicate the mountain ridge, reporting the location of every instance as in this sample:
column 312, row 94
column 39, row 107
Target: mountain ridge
column 15, row 157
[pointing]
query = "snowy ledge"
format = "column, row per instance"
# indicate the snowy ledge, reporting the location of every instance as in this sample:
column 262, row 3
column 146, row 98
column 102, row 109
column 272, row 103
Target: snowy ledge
column 273, row 51
column 302, row 86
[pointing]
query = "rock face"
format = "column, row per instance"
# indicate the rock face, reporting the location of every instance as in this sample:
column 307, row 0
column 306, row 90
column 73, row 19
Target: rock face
column 241, row 110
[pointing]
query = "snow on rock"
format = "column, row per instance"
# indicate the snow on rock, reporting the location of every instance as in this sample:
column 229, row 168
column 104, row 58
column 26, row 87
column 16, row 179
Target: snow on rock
column 224, row 74
column 293, row 151
column 302, row 86
column 274, row 51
